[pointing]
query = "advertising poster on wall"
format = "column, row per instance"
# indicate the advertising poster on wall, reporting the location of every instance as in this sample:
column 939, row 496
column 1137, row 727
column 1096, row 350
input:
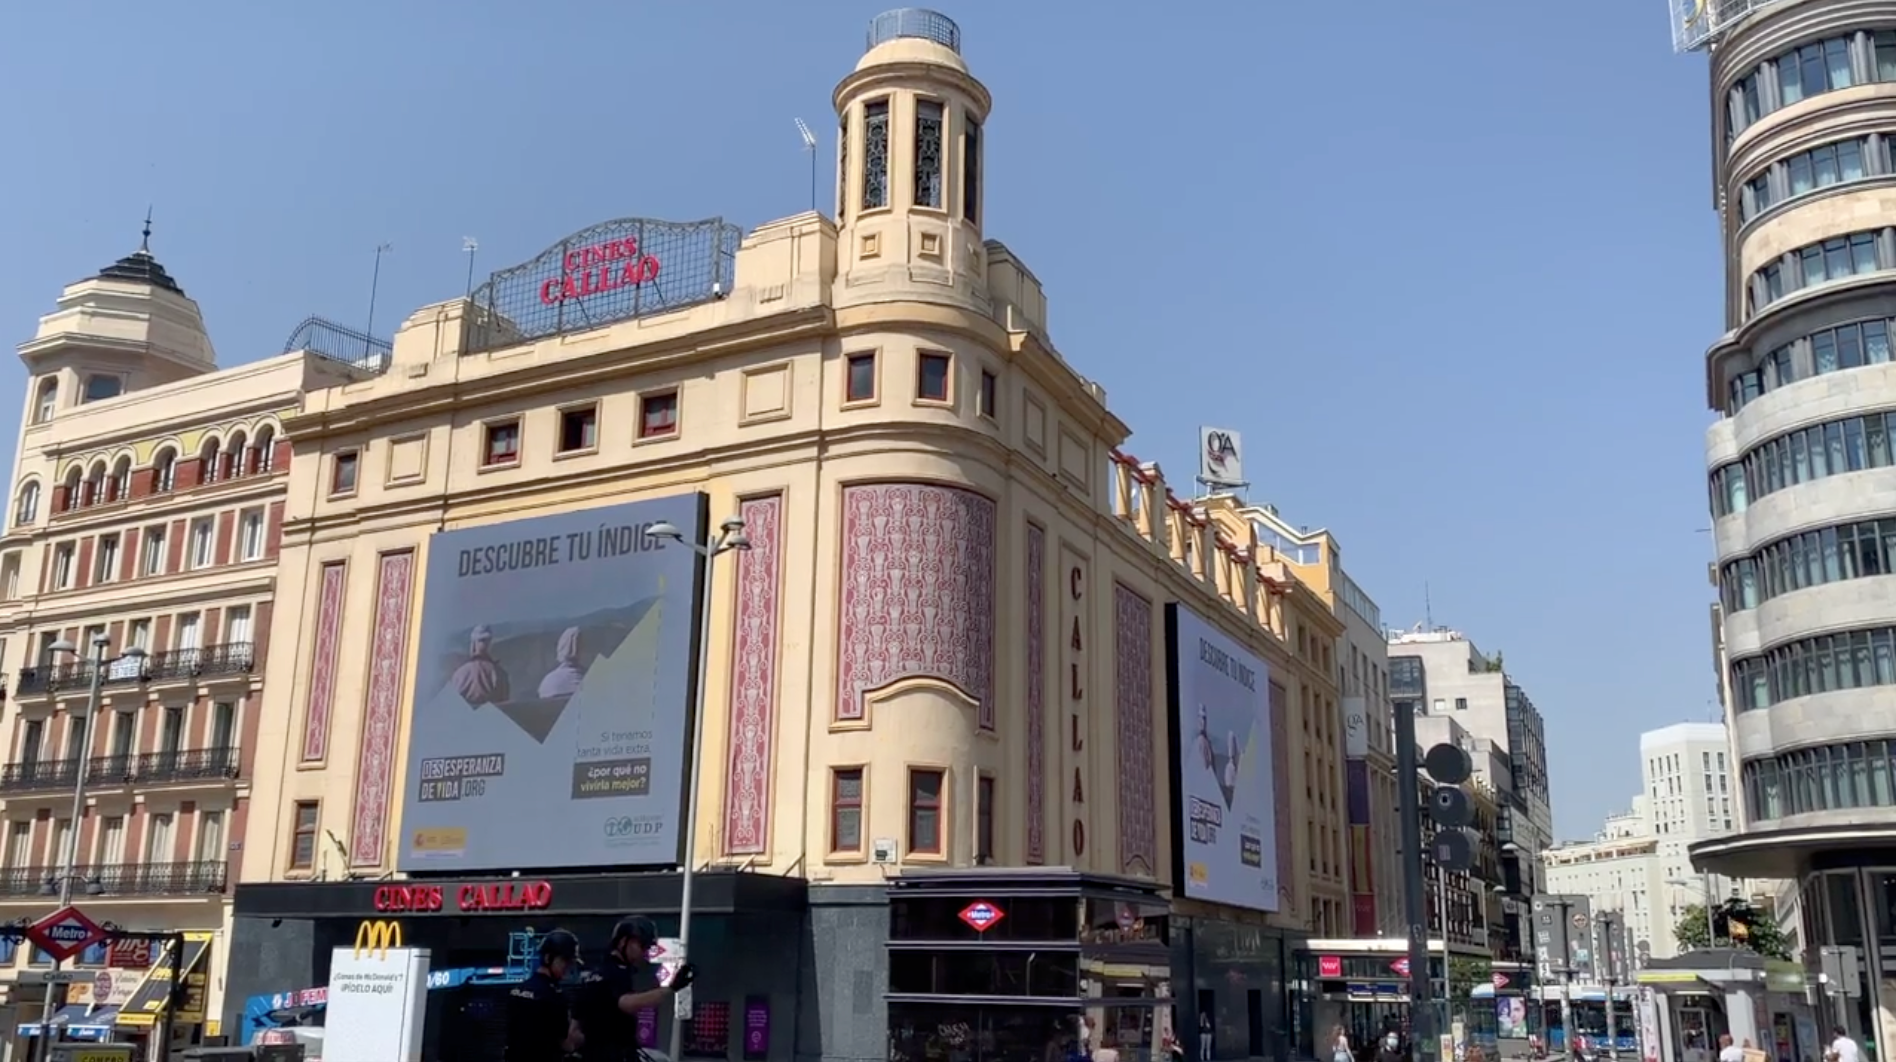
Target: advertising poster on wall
column 553, row 692
column 1222, row 775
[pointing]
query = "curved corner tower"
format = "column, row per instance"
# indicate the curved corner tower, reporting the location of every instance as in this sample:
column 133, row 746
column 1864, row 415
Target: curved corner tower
column 1802, row 464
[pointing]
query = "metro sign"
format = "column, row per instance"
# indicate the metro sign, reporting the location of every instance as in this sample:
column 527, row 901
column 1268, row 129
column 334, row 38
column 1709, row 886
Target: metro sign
column 65, row 933
column 1500, row 981
column 1401, row 966
column 981, row 915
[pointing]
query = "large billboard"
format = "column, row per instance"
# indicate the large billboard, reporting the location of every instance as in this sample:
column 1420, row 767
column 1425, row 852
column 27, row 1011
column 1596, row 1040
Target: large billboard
column 1223, row 792
column 553, row 692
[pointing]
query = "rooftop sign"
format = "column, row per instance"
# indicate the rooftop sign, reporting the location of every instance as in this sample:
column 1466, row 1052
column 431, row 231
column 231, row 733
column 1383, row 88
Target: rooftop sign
column 1697, row 23
column 615, row 271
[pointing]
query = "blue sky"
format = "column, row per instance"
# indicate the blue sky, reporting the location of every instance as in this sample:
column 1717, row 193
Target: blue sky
column 1450, row 268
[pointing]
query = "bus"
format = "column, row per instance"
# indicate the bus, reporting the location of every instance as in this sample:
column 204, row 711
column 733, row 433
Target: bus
column 1538, row 1012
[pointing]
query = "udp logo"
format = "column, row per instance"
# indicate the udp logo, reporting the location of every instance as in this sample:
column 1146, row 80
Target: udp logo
column 376, row 938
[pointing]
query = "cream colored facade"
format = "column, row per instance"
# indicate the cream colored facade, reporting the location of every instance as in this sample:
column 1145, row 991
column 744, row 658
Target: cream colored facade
column 898, row 359
column 146, row 495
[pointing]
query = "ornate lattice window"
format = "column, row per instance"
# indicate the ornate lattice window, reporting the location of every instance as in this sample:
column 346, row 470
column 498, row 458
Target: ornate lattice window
column 875, row 155
column 928, row 127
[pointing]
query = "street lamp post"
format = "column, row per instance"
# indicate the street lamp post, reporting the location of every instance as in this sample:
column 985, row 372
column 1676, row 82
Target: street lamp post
column 730, row 537
column 68, row 859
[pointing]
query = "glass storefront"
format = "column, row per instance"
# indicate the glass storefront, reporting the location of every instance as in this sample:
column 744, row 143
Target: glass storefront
column 1856, row 907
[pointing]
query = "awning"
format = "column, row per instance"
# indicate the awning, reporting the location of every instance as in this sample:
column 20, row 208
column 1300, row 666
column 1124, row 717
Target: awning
column 153, row 994
column 65, row 1015
column 94, row 1026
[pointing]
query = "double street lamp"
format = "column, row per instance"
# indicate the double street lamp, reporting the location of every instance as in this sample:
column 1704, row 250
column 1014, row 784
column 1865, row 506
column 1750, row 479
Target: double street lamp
column 730, row 537
column 60, row 884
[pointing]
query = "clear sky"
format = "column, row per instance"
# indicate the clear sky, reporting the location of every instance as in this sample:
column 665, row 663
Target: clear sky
column 1450, row 268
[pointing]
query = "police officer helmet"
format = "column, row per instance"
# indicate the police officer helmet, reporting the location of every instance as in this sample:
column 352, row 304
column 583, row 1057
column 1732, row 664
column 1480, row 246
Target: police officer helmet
column 635, row 927
column 559, row 944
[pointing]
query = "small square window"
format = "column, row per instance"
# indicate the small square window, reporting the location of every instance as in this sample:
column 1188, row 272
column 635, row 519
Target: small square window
column 931, row 378
column 861, row 384
column 579, row 429
column 846, row 810
column 658, row 415
column 503, row 443
column 342, row 474
column 989, row 399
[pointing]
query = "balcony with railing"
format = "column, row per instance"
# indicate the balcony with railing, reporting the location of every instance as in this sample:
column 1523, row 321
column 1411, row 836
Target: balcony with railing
column 211, row 661
column 176, row 767
column 121, row 880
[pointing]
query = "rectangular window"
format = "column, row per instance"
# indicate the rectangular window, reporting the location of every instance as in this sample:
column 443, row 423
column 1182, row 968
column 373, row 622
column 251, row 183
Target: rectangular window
column 62, row 841
column 342, row 472
column 846, row 810
column 502, row 443
column 112, row 842
column 62, row 566
column 250, row 534
column 928, row 131
column 153, row 560
column 303, row 836
column 10, row 577
column 158, row 847
column 579, row 429
column 989, row 400
column 32, row 740
column 223, row 725
column 658, row 415
column 924, row 813
column 860, row 386
column 210, row 846
column 984, row 820
column 203, row 537
column 124, row 733
column 931, row 377
column 1461, row 704
column 237, row 625
column 875, row 155
column 189, row 637
column 971, row 171
column 106, row 564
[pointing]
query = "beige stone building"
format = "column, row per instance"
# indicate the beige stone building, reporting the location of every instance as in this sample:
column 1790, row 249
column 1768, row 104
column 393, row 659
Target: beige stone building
column 146, row 502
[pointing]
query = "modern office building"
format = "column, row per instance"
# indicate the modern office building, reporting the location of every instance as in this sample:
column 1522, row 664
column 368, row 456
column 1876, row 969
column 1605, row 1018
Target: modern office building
column 937, row 702
column 1472, row 688
column 1639, row 863
column 1369, row 750
column 139, row 559
column 1802, row 473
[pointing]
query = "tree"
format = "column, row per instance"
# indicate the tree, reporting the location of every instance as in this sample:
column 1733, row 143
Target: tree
column 1465, row 974
column 1739, row 925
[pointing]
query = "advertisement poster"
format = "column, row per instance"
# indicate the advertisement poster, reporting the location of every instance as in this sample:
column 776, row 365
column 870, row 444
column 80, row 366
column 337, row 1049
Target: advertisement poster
column 552, row 692
column 378, row 1001
column 1221, row 716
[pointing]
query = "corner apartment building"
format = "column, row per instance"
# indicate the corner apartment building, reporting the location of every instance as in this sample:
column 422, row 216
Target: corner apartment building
column 937, row 675
column 147, row 498
column 1472, row 688
column 1369, row 756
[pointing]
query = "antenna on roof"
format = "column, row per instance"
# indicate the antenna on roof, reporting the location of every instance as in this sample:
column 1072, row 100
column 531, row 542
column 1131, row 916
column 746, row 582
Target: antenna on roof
column 1428, row 607
column 375, row 284
column 144, row 245
column 468, row 246
column 809, row 145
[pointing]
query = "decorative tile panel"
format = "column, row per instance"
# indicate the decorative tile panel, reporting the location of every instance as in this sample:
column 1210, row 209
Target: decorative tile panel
column 754, row 678
column 1138, row 755
column 917, row 592
column 331, row 586
column 382, row 709
column 1036, row 696
column 1280, row 777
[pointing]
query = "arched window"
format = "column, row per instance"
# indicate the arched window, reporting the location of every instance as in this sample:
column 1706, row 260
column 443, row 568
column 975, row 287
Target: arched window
column 236, row 455
column 266, row 448
column 164, row 470
column 26, row 508
column 207, row 461
column 48, row 401
column 74, row 487
column 95, row 484
column 121, row 486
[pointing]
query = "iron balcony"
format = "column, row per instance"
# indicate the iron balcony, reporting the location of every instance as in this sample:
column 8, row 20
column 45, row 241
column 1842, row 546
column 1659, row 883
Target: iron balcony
column 230, row 658
column 145, row 768
column 125, row 879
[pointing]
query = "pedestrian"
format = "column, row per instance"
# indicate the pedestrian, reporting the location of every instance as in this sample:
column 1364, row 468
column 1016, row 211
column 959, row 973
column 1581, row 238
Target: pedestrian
column 1340, row 1046
column 611, row 997
column 540, row 1028
column 1842, row 1048
column 1391, row 1049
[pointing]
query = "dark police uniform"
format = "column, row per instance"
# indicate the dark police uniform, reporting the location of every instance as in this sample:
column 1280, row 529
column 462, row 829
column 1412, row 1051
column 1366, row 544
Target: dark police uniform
column 537, row 1021
column 611, row 1034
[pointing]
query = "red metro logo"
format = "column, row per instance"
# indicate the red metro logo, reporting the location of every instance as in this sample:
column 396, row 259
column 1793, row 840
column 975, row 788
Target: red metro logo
column 595, row 270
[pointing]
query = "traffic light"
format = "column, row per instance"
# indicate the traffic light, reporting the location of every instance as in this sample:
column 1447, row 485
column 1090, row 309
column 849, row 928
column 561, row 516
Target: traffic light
column 1448, row 767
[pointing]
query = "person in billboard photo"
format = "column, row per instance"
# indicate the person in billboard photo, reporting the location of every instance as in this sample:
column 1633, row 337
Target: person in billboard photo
column 565, row 678
column 481, row 679
column 1207, row 755
column 611, row 997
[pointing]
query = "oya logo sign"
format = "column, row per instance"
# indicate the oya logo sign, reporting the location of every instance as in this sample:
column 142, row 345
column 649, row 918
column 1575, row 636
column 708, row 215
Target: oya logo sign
column 981, row 915
column 65, row 933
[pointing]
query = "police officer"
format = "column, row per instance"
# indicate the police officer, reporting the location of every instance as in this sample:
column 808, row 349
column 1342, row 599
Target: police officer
column 539, row 1026
column 611, row 997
